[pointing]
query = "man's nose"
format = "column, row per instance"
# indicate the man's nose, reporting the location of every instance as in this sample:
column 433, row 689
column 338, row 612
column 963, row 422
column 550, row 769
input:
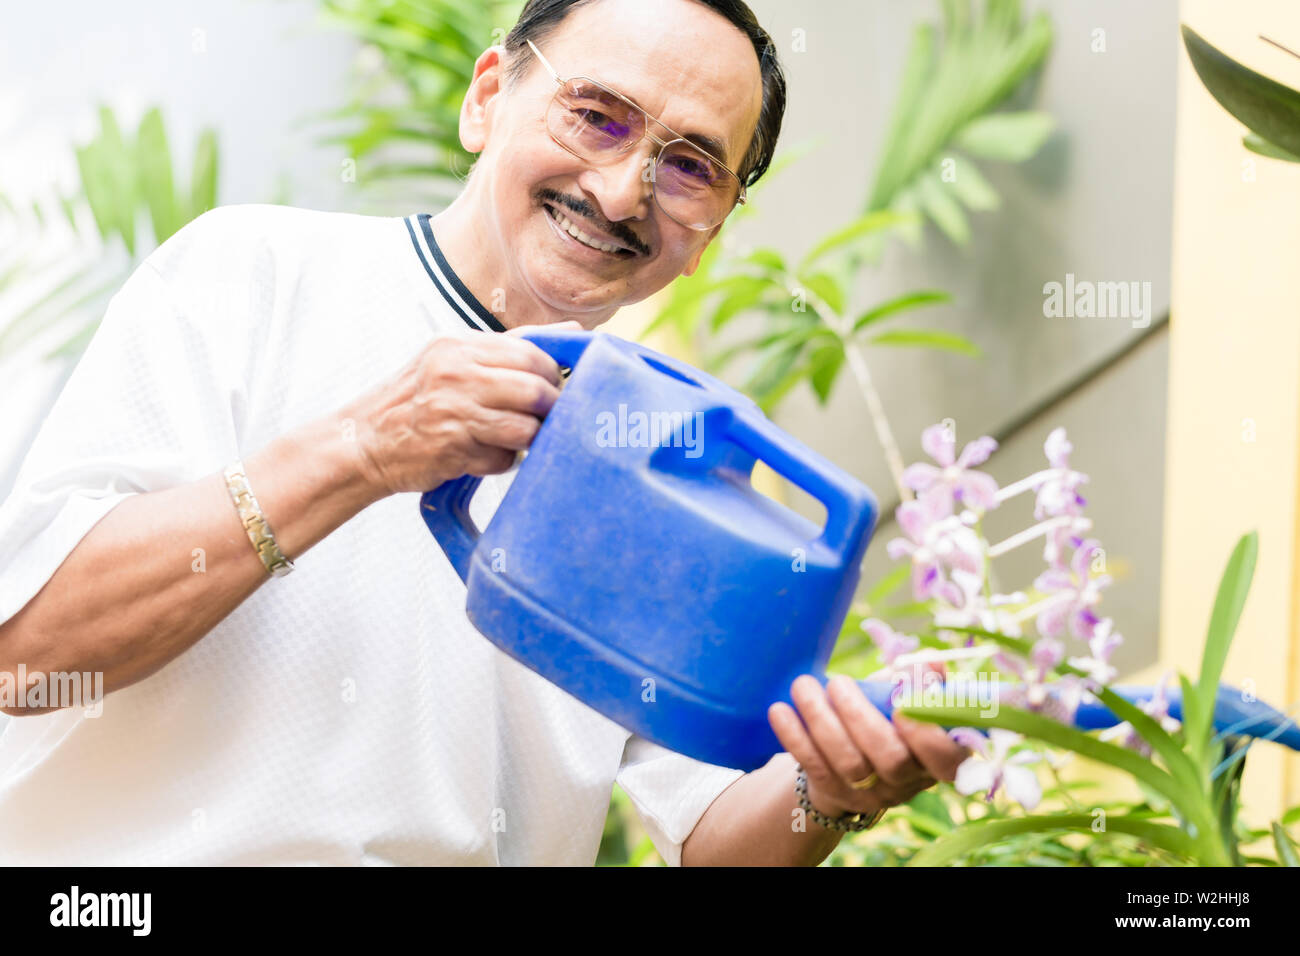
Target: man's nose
column 622, row 189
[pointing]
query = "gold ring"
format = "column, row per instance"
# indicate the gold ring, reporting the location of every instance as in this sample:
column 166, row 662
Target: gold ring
column 866, row 783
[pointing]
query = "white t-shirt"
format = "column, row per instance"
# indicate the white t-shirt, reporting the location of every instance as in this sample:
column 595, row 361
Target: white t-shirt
column 347, row 713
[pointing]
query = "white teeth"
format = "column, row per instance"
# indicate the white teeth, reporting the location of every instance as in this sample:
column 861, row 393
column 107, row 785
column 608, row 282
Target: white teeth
column 578, row 234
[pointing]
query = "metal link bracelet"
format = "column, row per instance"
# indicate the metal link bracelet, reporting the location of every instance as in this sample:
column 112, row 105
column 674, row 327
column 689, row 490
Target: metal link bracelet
column 255, row 524
column 848, row 823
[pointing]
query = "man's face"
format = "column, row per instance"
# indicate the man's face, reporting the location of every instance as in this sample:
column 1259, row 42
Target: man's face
column 679, row 61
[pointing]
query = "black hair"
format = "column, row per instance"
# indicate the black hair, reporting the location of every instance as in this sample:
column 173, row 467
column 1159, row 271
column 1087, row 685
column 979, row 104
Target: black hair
column 540, row 17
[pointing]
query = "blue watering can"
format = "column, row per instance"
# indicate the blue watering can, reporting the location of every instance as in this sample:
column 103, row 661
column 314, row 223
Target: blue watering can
column 633, row 564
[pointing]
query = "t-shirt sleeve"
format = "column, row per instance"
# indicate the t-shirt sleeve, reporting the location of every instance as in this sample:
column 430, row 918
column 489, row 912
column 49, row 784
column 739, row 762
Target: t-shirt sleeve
column 670, row 792
column 147, row 407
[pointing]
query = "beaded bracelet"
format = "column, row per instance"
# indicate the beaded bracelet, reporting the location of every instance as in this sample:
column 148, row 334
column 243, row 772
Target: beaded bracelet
column 848, row 823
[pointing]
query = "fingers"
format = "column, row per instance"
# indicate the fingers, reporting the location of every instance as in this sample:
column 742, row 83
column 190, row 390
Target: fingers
column 513, row 431
column 938, row 753
column 846, row 759
column 872, row 732
column 840, row 738
column 489, row 459
column 512, row 390
column 513, row 352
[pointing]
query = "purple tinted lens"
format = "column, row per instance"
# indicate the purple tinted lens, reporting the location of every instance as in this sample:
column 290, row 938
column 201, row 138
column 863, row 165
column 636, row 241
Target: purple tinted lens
column 693, row 188
column 591, row 119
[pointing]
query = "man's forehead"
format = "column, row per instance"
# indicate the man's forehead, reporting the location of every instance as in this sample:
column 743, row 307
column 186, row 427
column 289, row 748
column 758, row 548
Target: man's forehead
column 678, row 60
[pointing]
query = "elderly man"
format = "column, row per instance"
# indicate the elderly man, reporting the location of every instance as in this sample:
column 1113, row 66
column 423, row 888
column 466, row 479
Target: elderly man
column 270, row 391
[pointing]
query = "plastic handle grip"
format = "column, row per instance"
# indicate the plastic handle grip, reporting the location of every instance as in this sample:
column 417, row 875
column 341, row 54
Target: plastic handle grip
column 564, row 345
column 445, row 510
column 850, row 506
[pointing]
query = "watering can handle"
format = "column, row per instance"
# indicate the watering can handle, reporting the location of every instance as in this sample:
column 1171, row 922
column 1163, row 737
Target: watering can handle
column 564, row 345
column 445, row 509
column 850, row 506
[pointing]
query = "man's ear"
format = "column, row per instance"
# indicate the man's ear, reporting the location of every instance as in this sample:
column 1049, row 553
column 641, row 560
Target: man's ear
column 476, row 110
column 695, row 259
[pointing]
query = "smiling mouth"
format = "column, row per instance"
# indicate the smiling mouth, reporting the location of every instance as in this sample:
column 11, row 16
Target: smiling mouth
column 570, row 228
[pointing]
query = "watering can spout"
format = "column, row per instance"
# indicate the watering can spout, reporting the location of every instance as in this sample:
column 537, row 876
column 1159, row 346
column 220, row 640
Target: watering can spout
column 1236, row 714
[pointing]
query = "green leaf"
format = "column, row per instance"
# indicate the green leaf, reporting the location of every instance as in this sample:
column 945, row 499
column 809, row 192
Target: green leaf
column 154, row 170
column 203, row 178
column 1286, row 848
column 1234, row 587
column 902, row 303
column 1291, row 816
column 1267, row 107
column 827, row 288
column 767, row 259
column 1058, row 734
column 930, row 339
column 947, row 85
column 773, row 367
column 824, row 366
column 942, row 208
column 1257, row 144
column 971, row 188
column 930, row 804
column 1006, row 137
column 871, row 224
column 981, row 833
column 743, row 295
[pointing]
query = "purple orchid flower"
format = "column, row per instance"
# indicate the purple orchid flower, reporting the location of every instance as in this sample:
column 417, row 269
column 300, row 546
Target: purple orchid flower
column 891, row 643
column 976, row 611
column 1059, row 495
column 1076, row 592
column 936, row 541
column 955, row 477
column 992, row 766
column 1101, row 646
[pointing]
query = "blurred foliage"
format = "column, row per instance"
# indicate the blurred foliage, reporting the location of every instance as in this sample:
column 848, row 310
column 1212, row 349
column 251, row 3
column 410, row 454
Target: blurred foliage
column 809, row 320
column 934, row 814
column 1270, row 110
column 625, row 842
column 809, row 327
column 951, row 85
column 411, row 103
column 122, row 177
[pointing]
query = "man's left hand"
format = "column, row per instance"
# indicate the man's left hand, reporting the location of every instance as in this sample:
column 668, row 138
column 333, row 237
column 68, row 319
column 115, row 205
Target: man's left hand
column 842, row 739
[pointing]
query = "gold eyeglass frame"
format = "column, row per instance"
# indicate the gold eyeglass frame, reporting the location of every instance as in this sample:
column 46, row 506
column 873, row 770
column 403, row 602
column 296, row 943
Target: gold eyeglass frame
column 663, row 144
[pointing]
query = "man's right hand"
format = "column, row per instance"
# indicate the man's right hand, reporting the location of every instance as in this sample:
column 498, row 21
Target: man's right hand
column 464, row 406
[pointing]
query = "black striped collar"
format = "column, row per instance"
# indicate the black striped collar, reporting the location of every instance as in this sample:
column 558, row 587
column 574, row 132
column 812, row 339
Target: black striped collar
column 445, row 280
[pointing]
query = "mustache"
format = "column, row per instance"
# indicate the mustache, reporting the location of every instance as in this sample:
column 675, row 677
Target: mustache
column 585, row 209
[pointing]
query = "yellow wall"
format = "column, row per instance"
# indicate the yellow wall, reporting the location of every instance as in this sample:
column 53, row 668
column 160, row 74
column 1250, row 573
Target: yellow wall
column 1234, row 383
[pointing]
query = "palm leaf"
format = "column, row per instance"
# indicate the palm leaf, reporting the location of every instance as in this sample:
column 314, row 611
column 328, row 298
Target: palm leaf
column 948, row 87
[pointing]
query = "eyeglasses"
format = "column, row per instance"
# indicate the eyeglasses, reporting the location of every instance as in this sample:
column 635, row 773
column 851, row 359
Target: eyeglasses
column 597, row 125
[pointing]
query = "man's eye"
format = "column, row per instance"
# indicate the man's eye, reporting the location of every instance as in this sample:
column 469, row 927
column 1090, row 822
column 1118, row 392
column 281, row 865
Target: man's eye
column 600, row 121
column 694, row 168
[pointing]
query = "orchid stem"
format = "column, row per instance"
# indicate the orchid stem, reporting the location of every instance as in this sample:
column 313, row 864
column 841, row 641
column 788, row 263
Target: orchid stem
column 894, row 458
column 1036, row 531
